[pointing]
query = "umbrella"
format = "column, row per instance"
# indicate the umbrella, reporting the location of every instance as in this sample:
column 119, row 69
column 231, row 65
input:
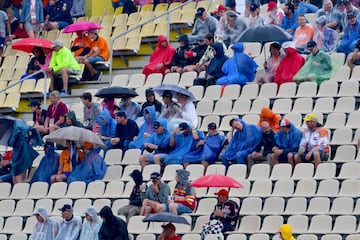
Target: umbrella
column 174, row 89
column 216, row 180
column 165, row 217
column 27, row 44
column 116, row 92
column 76, row 134
column 81, row 26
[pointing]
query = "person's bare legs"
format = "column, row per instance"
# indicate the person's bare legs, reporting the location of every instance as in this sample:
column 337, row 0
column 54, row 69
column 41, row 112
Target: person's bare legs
column 274, row 158
column 50, row 74
column 90, row 67
column 157, row 159
column 65, row 78
column 297, row 159
column 205, row 164
column 317, row 159
column 290, row 158
column 143, row 160
column 173, row 208
column 160, row 208
column 31, row 34
column 19, row 178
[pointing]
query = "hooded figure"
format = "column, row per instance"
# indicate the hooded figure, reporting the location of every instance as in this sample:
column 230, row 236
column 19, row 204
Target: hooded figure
column 162, row 54
column 112, row 228
column 179, row 59
column 74, row 122
column 288, row 141
column 45, row 228
column 48, row 166
column 212, row 72
column 108, row 129
column 91, row 226
column 286, row 232
column 239, row 69
column 325, row 37
column 269, row 116
column 161, row 140
column 146, row 128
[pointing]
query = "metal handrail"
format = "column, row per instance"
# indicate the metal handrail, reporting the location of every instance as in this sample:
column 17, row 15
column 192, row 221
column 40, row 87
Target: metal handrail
column 138, row 26
column 26, row 78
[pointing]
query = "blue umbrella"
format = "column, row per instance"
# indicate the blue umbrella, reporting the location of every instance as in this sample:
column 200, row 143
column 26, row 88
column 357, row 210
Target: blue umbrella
column 175, row 89
column 165, row 217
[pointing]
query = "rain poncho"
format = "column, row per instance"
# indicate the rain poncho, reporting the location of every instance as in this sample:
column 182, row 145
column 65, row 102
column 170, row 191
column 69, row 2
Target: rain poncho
column 208, row 152
column 230, row 31
column 72, row 116
column 48, row 166
column 46, row 230
column 351, row 35
column 242, row 143
column 269, row 116
column 108, row 130
column 318, row 67
column 113, row 228
column 146, row 127
column 288, row 141
column 239, row 69
column 161, row 140
column 69, row 230
column 286, row 232
column 90, row 229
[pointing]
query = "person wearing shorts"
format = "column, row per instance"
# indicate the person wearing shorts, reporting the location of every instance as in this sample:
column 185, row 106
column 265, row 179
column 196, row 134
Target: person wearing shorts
column 57, row 14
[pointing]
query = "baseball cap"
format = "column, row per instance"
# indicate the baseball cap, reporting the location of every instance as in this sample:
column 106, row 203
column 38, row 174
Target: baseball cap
column 311, row 117
column 67, row 208
column 212, row 126
column 149, row 91
column 350, row 15
column 183, row 126
column 155, row 176
column 253, row 7
column 121, row 114
column 200, row 11
column 156, row 124
column 34, row 103
column 57, row 42
column 169, row 225
column 222, row 192
column 271, row 6
column 167, row 93
column 311, row 44
column 284, row 123
column 219, row 8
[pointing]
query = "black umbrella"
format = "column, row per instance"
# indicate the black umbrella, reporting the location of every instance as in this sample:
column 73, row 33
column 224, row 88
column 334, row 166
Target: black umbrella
column 165, row 217
column 116, row 92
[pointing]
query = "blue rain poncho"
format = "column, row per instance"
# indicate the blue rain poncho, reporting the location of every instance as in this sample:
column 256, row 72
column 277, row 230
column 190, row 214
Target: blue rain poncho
column 108, row 130
column 288, row 141
column 46, row 230
column 69, row 230
column 48, row 166
column 208, row 152
column 242, row 143
column 239, row 69
column 146, row 127
column 90, row 229
column 161, row 140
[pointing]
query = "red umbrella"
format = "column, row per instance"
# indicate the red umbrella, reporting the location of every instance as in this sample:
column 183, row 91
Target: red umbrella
column 81, row 26
column 27, row 44
column 216, row 180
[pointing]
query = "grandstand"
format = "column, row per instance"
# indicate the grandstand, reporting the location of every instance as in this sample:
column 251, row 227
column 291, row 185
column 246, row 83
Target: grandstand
column 321, row 203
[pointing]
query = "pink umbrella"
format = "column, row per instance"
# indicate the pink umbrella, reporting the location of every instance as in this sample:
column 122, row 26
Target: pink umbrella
column 81, row 26
column 216, row 180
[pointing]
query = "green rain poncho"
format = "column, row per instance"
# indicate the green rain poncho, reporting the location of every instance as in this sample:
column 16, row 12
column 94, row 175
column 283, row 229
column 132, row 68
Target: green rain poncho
column 318, row 68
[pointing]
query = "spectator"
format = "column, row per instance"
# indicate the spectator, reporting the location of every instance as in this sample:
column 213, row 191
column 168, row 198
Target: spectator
column 304, row 7
column 208, row 54
column 333, row 16
column 91, row 225
column 349, row 8
column 45, row 228
column 62, row 64
column 303, row 33
column 325, row 37
column 81, row 45
column 91, row 110
column 351, row 35
column 71, row 120
column 274, row 15
column 242, row 141
column 220, row 11
column 70, row 227
column 99, row 51
column 185, row 113
column 239, row 69
column 126, row 131
column 131, row 108
column 195, row 54
column 161, row 58
column 289, row 22
column 48, row 166
column 5, row 167
column 92, row 168
column 289, row 66
column 287, row 141
column 69, row 159
column 230, row 28
column 270, row 117
column 156, row 194
column 117, row 3
column 203, row 25
column 168, row 109
column 255, row 19
column 271, row 64
column 5, row 29
column 286, row 232
column 212, row 73
column 262, row 152
column 112, row 227
column 109, row 104
column 136, row 197
column 16, row 31
column 182, row 56
column 169, row 232
column 314, row 145
column 39, row 116
column 207, row 150
column 183, row 199
column 354, row 58
column 156, row 143
column 318, row 66
column 78, row 8
column 32, row 17
column 55, row 116
column 36, row 63
column 151, row 101
column 57, row 14
column 108, row 128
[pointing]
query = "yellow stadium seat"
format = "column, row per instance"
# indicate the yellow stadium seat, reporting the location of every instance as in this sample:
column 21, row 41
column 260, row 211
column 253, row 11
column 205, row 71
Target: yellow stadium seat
column 107, row 20
column 12, row 100
column 119, row 10
column 133, row 19
column 145, row 16
column 13, row 89
column 120, row 19
column 162, row 7
column 147, row 30
column 147, row 8
column 95, row 19
column 28, row 86
column 52, row 35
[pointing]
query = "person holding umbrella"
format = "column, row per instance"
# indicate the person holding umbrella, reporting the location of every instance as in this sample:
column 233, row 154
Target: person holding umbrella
column 169, row 232
column 81, row 45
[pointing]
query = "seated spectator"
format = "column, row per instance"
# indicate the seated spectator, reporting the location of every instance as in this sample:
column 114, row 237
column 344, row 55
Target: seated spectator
column 16, row 31
column 32, row 17
column 5, row 30
column 351, row 35
column 109, row 104
column 131, row 108
column 62, row 64
column 156, row 194
column 99, row 51
column 180, row 59
column 91, row 110
column 48, row 166
column 255, row 19
column 185, row 113
column 325, row 37
column 92, row 224
column 183, row 199
column 354, row 58
column 168, row 109
column 69, row 160
column 55, row 115
column 81, row 45
column 314, row 145
column 230, row 28
column 289, row 66
column 71, row 120
column 262, row 152
column 161, row 58
column 270, row 117
column 289, row 22
column 151, row 101
column 212, row 73
column 203, row 25
column 274, row 15
column 145, row 130
column 208, row 54
column 39, row 116
column 305, row 7
column 136, row 197
column 271, row 64
column 57, row 14
column 242, row 141
column 108, row 128
column 36, row 63
column 285, row 232
column 78, row 8
column 45, row 227
column 349, row 8
column 195, row 54
column 112, row 226
column 70, row 226
column 5, row 167
column 220, row 11
column 207, row 150
column 169, row 232
column 287, row 141
column 303, row 33
column 239, row 69
column 126, row 131
column 318, row 66
column 333, row 16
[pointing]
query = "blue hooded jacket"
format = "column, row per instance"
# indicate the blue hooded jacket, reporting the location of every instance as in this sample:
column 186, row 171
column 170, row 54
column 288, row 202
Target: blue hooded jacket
column 290, row 140
column 108, row 130
column 161, row 140
column 48, row 166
